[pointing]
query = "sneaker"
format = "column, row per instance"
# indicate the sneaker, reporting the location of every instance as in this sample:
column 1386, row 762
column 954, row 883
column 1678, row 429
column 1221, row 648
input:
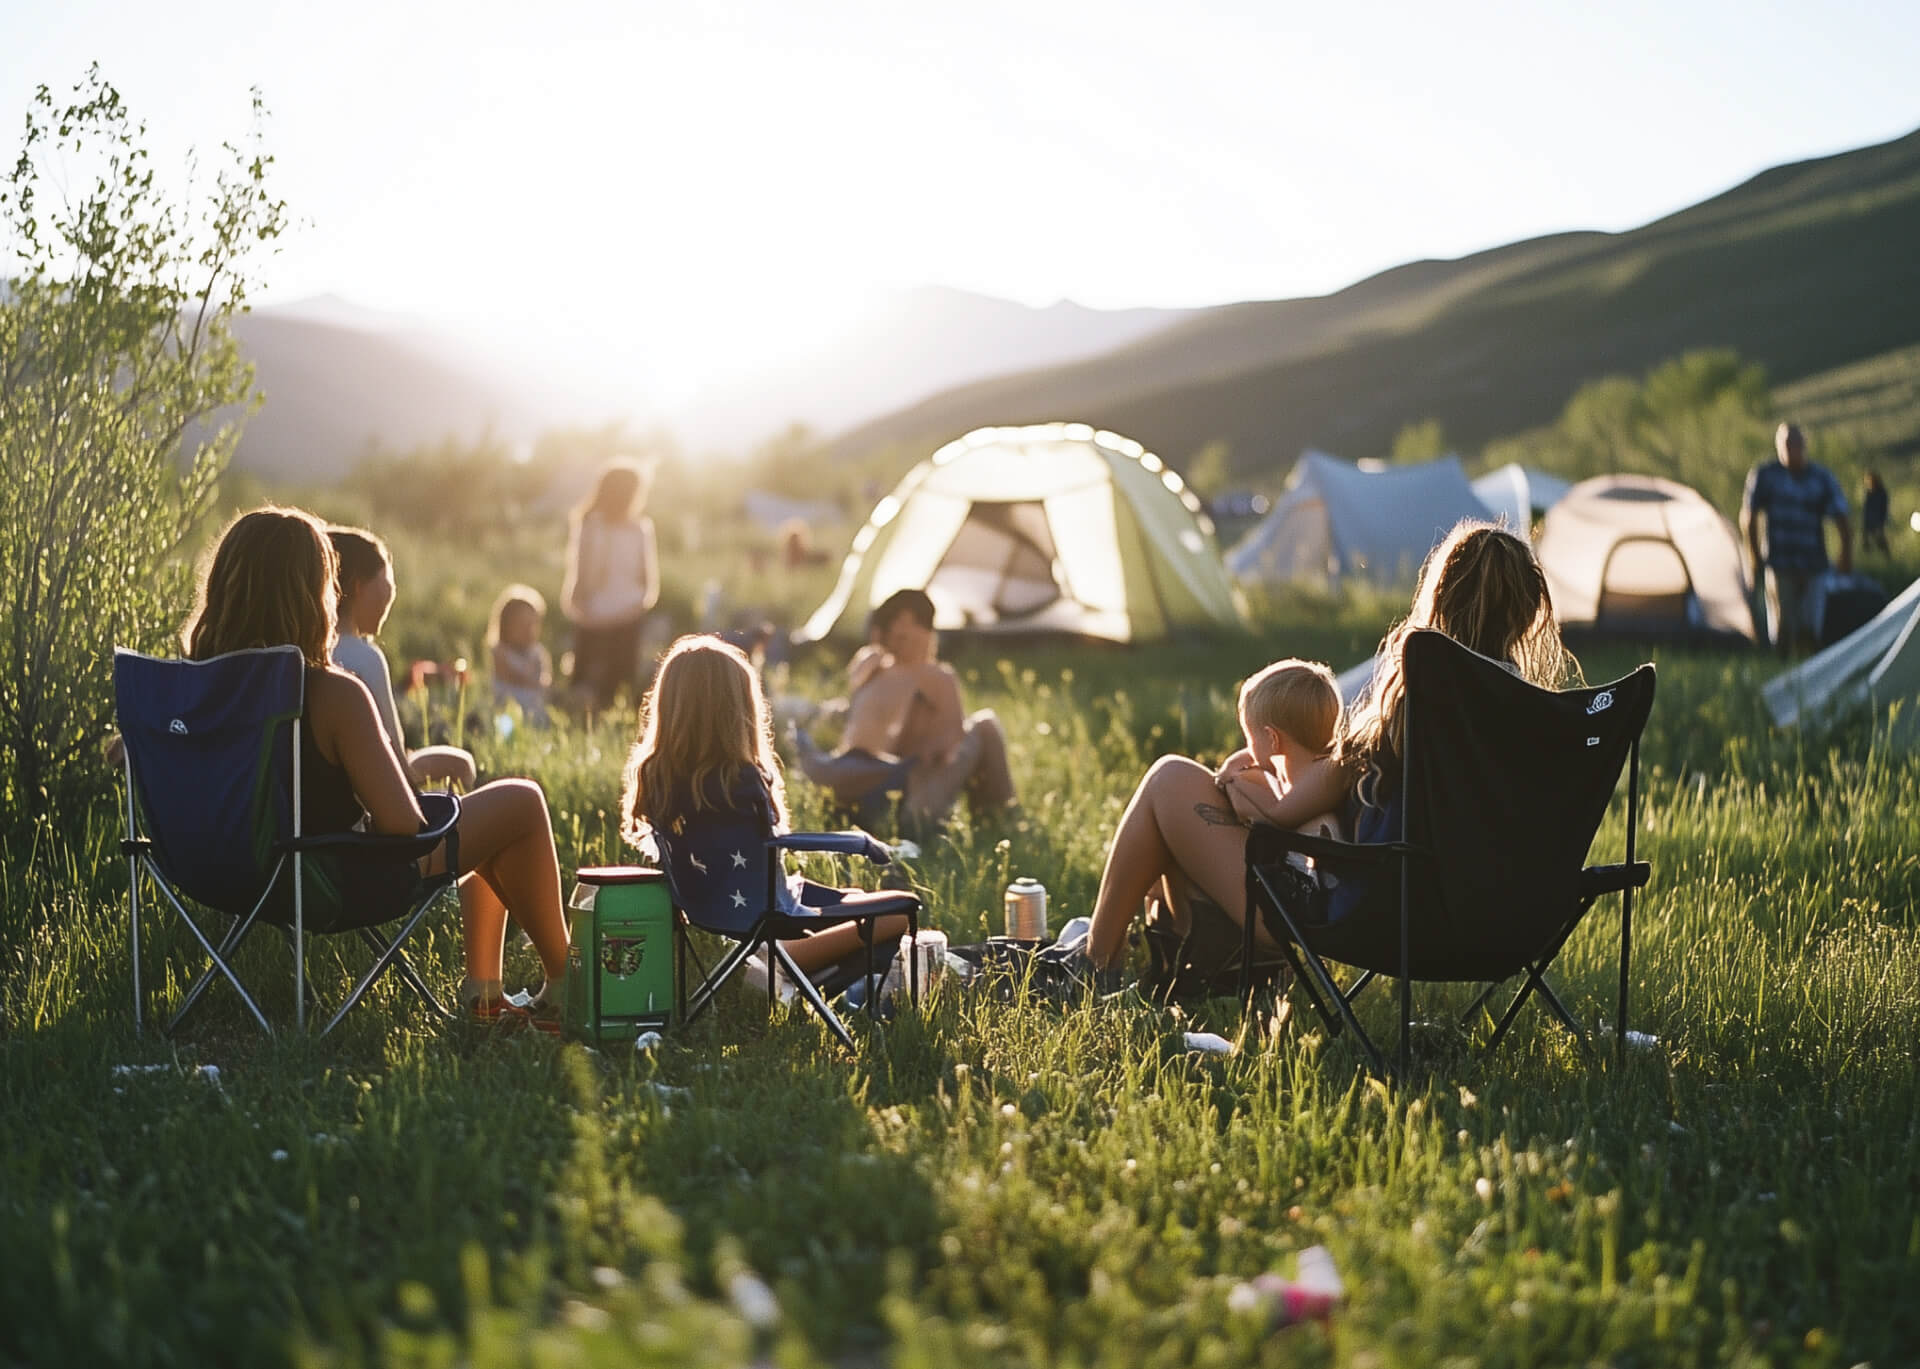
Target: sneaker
column 506, row 1014
column 1070, row 972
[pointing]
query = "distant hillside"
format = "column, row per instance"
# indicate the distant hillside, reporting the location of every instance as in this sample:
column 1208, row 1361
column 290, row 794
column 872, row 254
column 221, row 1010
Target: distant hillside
column 331, row 391
column 915, row 343
column 1804, row 268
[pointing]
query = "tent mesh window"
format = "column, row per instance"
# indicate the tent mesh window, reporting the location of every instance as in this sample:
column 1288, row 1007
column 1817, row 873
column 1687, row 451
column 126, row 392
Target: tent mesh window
column 1003, row 556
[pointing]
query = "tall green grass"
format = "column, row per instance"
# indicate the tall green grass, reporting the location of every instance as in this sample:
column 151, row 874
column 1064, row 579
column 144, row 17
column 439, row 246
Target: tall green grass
column 988, row 1183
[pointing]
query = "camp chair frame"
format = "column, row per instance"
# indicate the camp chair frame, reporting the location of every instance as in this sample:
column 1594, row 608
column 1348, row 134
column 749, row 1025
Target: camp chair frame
column 770, row 926
column 1404, row 860
column 288, row 862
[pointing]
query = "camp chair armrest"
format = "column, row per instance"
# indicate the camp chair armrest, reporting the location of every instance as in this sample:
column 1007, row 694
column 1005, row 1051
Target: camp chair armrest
column 1267, row 844
column 799, row 924
column 836, row 843
column 442, row 816
column 1597, row 880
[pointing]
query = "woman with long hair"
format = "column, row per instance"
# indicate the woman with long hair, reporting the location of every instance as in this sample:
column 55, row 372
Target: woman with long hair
column 613, row 579
column 1482, row 587
column 271, row 582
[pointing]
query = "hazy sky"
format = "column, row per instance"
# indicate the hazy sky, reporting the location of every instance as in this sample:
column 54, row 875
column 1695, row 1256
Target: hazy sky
column 645, row 183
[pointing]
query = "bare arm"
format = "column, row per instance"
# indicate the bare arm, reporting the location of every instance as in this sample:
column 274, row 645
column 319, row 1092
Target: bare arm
column 570, row 588
column 867, row 662
column 1254, row 794
column 1320, row 787
column 650, row 561
column 347, row 731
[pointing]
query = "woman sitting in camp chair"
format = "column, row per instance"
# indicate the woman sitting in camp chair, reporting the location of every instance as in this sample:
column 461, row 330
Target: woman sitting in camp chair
column 1483, row 588
column 271, row 582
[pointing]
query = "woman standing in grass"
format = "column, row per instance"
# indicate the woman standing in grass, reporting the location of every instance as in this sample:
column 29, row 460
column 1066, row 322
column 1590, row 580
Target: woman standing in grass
column 1483, row 588
column 613, row 578
column 271, row 582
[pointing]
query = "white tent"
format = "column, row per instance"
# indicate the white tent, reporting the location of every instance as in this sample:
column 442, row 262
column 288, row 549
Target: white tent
column 1339, row 520
column 1876, row 665
column 1642, row 556
column 1516, row 495
column 1049, row 528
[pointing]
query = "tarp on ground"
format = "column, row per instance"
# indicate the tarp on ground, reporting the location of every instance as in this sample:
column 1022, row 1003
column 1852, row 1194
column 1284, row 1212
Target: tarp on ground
column 1055, row 527
column 1339, row 521
column 1876, row 666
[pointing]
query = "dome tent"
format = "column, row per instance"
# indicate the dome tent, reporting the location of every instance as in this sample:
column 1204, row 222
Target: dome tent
column 1339, row 520
column 1517, row 495
column 1642, row 556
column 1048, row 528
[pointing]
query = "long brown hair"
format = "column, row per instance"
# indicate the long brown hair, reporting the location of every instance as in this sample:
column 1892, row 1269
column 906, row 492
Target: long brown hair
column 1483, row 588
column 619, row 492
column 704, row 720
column 269, row 582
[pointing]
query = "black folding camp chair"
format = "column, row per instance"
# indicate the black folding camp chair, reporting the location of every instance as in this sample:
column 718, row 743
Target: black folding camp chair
column 728, row 881
column 1503, row 787
column 214, row 816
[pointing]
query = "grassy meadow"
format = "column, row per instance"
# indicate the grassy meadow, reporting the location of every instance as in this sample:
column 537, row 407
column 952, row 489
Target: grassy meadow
column 991, row 1184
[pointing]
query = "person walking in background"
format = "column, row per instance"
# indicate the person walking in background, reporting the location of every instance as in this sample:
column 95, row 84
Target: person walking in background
column 613, row 579
column 1873, row 515
column 1795, row 498
column 365, row 589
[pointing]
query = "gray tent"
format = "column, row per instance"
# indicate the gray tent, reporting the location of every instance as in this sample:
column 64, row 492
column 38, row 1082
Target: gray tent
column 1337, row 520
column 1516, row 495
column 1876, row 666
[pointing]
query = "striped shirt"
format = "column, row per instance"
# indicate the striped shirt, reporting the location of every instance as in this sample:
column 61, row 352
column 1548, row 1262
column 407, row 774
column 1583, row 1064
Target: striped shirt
column 1796, row 507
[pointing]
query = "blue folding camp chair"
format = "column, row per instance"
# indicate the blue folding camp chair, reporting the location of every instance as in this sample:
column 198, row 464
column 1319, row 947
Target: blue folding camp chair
column 728, row 882
column 214, row 815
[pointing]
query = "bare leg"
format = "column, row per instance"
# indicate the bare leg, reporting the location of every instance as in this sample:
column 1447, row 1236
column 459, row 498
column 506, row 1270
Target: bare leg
column 1177, row 828
column 978, row 765
column 991, row 786
column 506, row 839
column 831, row 945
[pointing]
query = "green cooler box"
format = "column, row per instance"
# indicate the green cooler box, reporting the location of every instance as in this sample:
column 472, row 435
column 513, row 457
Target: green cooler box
column 620, row 963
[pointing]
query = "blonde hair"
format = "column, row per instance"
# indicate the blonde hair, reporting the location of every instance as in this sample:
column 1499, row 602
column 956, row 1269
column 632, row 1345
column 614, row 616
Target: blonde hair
column 619, row 492
column 269, row 582
column 513, row 596
column 1296, row 697
column 1483, row 588
column 704, row 721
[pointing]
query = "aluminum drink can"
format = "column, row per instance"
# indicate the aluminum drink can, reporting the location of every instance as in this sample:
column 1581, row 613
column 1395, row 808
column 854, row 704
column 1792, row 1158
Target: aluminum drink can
column 1026, row 900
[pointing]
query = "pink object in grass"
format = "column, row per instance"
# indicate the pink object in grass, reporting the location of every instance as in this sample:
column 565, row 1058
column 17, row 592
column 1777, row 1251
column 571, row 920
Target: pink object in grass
column 1311, row 1296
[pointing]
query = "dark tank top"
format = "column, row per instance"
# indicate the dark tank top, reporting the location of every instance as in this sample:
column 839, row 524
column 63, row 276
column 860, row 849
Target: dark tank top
column 327, row 801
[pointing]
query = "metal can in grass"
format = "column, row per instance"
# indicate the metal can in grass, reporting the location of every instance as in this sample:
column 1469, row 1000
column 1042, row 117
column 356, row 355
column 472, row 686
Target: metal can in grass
column 1026, row 901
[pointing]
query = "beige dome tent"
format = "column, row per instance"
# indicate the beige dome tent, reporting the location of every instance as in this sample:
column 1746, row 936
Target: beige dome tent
column 1049, row 528
column 1641, row 556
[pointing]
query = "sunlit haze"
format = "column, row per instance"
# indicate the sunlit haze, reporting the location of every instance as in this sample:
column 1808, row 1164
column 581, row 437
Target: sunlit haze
column 656, row 195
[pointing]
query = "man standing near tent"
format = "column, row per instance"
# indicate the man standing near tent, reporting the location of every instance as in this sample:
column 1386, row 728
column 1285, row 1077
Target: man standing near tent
column 1796, row 498
column 905, row 712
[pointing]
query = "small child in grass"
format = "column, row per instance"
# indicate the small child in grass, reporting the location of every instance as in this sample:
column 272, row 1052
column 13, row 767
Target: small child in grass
column 1290, row 715
column 522, row 669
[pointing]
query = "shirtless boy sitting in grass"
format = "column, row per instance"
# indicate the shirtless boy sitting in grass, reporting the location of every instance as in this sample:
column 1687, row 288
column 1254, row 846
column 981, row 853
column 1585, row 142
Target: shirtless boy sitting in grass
column 905, row 708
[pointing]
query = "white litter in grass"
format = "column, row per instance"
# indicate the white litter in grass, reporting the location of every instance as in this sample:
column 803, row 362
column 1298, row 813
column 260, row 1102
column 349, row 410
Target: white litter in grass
column 667, row 1093
column 646, row 1041
column 1642, row 1041
column 278, row 1156
column 1676, row 1129
column 607, row 1276
column 123, row 1071
column 1207, row 1043
column 754, row 1301
column 906, row 850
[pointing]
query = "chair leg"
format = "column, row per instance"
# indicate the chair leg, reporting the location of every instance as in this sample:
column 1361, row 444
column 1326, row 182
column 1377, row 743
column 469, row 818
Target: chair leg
column 1366, row 977
column 1480, row 1002
column 1559, row 1010
column 229, row 944
column 404, row 968
column 812, row 996
column 380, row 963
column 1318, row 971
column 722, row 972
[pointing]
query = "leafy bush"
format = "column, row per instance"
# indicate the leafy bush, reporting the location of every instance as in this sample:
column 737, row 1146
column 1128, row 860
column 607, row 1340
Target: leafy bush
column 113, row 343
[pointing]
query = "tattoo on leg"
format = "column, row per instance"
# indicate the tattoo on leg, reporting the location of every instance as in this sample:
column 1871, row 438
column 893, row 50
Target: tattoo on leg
column 1215, row 816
